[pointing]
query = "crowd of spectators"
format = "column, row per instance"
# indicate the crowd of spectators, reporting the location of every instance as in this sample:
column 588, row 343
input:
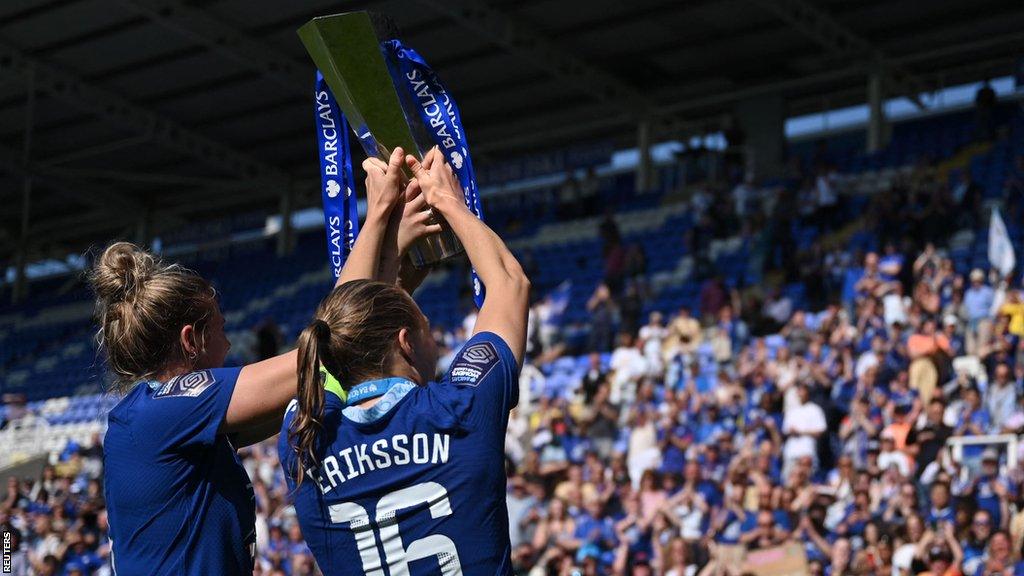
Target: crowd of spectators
column 873, row 425
column 719, row 426
column 695, row 434
column 830, row 432
column 57, row 522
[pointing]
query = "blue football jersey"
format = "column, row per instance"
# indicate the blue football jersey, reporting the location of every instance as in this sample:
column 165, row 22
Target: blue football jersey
column 178, row 499
column 416, row 483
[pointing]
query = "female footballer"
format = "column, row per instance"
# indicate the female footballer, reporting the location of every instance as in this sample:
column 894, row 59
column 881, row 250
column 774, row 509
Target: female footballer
column 178, row 498
column 406, row 473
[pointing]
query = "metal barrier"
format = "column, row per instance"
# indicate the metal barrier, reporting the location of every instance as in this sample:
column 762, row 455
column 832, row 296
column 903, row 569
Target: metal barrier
column 23, row 439
column 1008, row 442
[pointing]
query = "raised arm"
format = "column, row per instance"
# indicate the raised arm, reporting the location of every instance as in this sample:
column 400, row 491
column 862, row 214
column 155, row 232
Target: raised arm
column 390, row 256
column 505, row 308
column 405, row 228
column 382, row 195
column 264, row 389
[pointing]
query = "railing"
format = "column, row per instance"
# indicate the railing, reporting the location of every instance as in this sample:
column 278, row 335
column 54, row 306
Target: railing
column 22, row 439
column 1008, row 443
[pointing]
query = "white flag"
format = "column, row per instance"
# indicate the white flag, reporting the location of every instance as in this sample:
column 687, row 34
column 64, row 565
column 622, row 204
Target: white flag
column 1000, row 249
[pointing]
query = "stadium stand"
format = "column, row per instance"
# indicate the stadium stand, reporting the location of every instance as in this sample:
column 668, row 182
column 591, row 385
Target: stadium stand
column 804, row 397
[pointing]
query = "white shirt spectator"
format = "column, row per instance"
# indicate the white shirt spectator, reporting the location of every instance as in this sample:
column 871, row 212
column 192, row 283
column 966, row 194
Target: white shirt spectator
column 531, row 385
column 652, row 336
column 691, row 570
column 779, row 309
column 894, row 458
column 903, row 557
column 532, row 329
column 49, row 544
column 517, row 428
column 548, row 326
column 690, row 518
column 894, row 309
column 643, row 451
column 865, row 361
column 469, row 322
column 629, row 366
column 799, row 423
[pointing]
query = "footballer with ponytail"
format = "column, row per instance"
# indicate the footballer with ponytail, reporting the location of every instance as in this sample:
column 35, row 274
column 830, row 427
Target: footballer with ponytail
column 403, row 468
column 179, row 500
column 351, row 338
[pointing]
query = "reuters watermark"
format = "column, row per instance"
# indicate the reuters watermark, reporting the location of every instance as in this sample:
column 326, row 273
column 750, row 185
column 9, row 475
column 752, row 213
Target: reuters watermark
column 5, row 564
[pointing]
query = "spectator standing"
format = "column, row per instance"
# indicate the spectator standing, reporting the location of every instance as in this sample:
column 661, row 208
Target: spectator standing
column 929, row 352
column 520, row 503
column 652, row 339
column 594, row 378
column 684, row 336
column 602, row 319
column 798, row 335
column 927, row 440
column 603, row 426
column 644, row 456
column 628, row 367
column 1001, row 397
column 778, row 308
column 631, row 307
column 940, row 514
column 978, row 300
column 803, row 424
column 990, row 491
column 974, row 544
column 973, row 418
column 1011, row 315
column 998, row 556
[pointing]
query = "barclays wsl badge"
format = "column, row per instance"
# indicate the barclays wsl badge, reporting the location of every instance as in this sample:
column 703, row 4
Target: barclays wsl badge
column 188, row 385
column 473, row 364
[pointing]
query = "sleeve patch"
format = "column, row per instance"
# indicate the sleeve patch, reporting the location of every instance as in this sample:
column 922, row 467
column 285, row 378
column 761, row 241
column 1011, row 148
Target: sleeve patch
column 474, row 364
column 187, row 385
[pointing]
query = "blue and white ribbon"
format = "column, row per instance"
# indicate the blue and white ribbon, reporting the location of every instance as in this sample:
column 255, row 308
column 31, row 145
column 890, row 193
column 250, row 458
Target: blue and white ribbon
column 441, row 118
column 341, row 214
column 443, row 122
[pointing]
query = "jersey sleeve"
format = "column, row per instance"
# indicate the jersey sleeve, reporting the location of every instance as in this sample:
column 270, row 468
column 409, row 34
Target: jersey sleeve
column 187, row 411
column 484, row 375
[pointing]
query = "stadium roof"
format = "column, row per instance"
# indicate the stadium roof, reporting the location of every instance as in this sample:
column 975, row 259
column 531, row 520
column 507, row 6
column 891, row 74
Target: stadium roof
column 167, row 111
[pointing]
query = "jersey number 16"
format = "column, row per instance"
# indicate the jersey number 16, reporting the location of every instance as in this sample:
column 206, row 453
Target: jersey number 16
column 399, row 557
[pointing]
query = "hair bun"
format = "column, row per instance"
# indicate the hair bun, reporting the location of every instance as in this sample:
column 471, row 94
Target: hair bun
column 121, row 271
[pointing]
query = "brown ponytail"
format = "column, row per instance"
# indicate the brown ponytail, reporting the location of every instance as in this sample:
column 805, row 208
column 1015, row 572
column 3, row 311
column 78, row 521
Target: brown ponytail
column 353, row 336
column 306, row 426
